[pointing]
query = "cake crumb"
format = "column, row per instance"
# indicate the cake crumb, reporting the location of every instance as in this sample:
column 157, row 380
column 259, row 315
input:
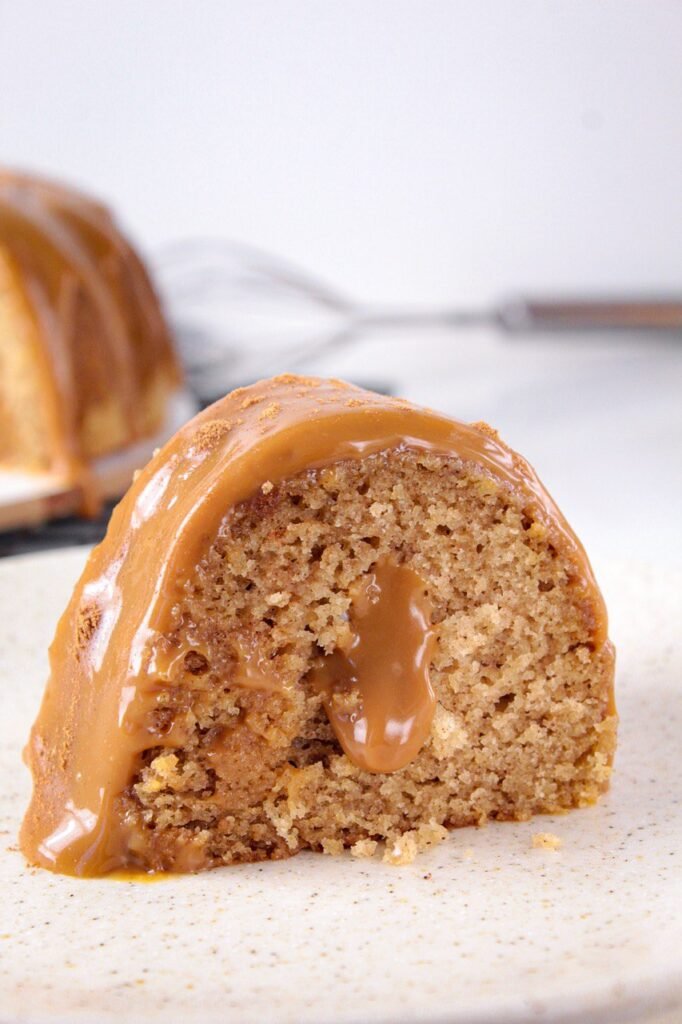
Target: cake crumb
column 377, row 509
column 402, row 850
column 163, row 772
column 447, row 733
column 364, row 848
column 332, row 847
column 546, row 841
column 314, row 540
column 405, row 848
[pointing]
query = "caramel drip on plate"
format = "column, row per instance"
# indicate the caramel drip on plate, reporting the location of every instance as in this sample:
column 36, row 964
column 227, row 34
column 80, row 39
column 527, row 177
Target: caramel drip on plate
column 97, row 712
column 139, row 877
column 377, row 692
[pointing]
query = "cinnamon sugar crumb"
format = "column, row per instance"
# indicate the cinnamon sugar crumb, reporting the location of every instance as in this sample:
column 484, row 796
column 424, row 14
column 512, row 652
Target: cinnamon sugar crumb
column 209, row 435
column 484, row 428
column 270, row 411
column 89, row 617
column 251, row 400
column 296, row 381
column 267, row 486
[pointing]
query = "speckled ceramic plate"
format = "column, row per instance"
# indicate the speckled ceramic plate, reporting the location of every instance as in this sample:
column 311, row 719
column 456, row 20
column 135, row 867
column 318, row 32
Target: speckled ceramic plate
column 485, row 928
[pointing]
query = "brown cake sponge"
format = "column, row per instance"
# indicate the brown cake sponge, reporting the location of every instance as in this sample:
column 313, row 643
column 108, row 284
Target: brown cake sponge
column 321, row 619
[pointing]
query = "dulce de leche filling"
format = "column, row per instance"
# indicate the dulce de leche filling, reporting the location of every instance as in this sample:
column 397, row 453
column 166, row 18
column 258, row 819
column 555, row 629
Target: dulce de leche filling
column 377, row 692
column 107, row 659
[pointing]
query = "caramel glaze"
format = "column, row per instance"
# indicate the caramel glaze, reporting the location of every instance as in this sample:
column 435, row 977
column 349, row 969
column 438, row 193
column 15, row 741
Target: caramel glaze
column 109, row 656
column 377, row 692
column 139, row 877
column 91, row 299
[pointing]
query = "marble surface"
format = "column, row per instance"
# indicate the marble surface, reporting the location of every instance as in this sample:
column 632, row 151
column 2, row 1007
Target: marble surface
column 485, row 929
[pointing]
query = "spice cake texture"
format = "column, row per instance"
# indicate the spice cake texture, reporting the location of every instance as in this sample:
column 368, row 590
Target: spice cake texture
column 321, row 619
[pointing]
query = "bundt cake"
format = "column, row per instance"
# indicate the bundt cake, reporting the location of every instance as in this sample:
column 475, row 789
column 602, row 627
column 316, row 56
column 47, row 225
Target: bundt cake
column 86, row 360
column 320, row 619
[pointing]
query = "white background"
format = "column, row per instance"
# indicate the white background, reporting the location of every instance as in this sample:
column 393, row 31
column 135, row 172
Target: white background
column 422, row 150
column 415, row 152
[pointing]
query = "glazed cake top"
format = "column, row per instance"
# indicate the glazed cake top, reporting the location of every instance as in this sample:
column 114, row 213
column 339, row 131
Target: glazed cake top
column 79, row 275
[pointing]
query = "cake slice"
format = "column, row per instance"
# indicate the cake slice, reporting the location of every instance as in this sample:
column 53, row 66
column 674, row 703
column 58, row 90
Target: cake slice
column 320, row 619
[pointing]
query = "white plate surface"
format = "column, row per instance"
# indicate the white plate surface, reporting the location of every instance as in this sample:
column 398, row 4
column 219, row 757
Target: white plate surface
column 483, row 929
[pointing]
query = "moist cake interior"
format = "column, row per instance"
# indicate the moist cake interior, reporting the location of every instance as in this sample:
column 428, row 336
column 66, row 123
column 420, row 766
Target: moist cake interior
column 523, row 721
